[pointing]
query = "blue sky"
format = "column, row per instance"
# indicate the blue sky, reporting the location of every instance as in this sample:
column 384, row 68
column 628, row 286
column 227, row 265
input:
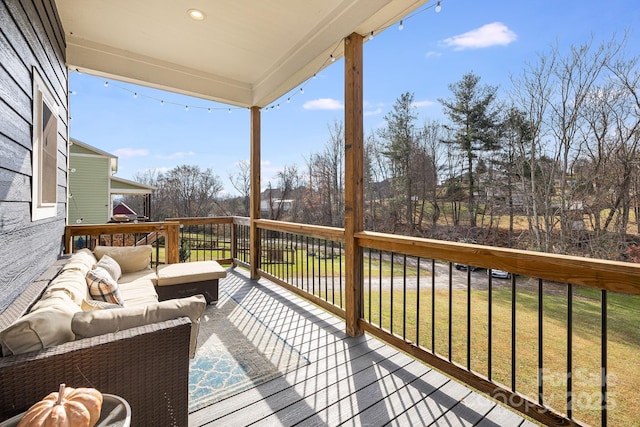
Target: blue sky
column 493, row 38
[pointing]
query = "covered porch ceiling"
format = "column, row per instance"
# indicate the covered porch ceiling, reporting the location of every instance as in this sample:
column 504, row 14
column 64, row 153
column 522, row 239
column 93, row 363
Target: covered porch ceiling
column 244, row 53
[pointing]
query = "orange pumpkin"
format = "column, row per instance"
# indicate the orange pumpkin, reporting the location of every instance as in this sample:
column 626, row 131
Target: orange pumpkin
column 69, row 407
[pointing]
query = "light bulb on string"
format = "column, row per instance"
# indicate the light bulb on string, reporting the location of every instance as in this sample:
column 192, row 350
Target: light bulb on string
column 401, row 26
column 135, row 95
column 333, row 58
column 209, row 110
column 371, row 35
column 106, row 84
column 186, row 108
column 288, row 100
column 229, row 110
column 301, row 90
column 162, row 102
column 438, row 7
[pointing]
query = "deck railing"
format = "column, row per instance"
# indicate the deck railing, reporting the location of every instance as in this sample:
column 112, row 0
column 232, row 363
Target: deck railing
column 538, row 340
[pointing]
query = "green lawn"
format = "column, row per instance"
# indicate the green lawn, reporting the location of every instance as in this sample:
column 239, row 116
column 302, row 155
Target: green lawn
column 623, row 342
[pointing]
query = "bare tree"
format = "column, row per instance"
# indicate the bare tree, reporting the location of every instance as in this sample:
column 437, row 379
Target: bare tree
column 326, row 180
column 280, row 199
column 241, row 181
column 188, row 191
column 575, row 76
column 431, row 134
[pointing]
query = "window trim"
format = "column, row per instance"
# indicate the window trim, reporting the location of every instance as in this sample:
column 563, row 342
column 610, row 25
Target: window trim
column 41, row 95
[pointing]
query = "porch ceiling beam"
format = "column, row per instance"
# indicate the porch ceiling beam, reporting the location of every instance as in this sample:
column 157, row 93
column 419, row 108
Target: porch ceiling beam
column 111, row 63
column 314, row 52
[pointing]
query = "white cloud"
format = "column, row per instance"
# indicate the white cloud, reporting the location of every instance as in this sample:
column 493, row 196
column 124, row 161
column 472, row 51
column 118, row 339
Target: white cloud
column 127, row 153
column 488, row 35
column 433, row 54
column 375, row 112
column 177, row 155
column 425, row 103
column 323, row 104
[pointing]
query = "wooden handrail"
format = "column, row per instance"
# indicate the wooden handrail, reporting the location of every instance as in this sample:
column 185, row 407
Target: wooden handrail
column 114, row 228
column 601, row 274
column 317, row 231
column 595, row 273
column 203, row 220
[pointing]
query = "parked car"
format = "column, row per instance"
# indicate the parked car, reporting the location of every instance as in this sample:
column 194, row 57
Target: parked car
column 465, row 267
column 499, row 274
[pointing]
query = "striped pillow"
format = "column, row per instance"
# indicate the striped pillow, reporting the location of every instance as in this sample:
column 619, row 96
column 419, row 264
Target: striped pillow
column 102, row 287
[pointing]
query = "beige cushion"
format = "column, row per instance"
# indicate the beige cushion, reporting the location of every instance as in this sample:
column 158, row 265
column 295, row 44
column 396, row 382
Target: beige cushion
column 82, row 260
column 47, row 324
column 111, row 265
column 102, row 287
column 93, row 304
column 137, row 275
column 99, row 322
column 176, row 274
column 130, row 258
column 73, row 282
column 140, row 291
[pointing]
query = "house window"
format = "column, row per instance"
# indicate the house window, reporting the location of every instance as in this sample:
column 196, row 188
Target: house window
column 45, row 151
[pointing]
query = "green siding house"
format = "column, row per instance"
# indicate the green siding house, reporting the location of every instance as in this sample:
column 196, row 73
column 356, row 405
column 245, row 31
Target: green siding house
column 92, row 184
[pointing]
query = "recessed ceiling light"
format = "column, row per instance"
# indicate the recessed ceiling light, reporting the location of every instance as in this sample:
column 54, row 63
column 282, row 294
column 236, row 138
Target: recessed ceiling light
column 196, row 15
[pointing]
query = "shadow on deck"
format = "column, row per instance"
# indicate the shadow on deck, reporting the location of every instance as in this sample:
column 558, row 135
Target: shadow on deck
column 347, row 381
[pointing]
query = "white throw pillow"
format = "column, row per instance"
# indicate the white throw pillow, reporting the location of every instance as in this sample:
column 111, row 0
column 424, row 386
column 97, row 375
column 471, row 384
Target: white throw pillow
column 111, row 265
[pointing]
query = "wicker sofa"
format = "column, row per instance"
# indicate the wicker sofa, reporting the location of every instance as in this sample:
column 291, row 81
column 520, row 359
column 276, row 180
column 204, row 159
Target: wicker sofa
column 146, row 362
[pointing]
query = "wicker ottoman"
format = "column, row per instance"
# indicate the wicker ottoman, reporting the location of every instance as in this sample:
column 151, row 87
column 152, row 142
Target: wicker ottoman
column 190, row 278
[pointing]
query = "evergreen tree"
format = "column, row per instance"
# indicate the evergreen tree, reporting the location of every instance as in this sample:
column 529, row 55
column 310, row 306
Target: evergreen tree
column 474, row 124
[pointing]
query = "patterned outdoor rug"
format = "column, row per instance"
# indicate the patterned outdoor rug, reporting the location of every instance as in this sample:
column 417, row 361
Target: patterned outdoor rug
column 235, row 352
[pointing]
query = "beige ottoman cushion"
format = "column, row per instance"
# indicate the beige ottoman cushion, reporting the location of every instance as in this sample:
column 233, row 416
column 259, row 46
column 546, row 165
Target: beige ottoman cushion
column 199, row 271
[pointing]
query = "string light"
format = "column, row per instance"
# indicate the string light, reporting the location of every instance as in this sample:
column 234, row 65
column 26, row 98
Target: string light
column 332, row 58
column 137, row 95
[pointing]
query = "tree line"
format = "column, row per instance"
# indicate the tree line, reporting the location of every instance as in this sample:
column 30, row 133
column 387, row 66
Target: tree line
column 551, row 164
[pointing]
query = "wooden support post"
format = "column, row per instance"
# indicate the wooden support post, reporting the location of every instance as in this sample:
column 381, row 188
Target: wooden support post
column 254, row 204
column 68, row 241
column 354, row 181
column 172, row 244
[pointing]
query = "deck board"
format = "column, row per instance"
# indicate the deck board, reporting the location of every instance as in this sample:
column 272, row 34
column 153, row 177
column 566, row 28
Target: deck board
column 348, row 381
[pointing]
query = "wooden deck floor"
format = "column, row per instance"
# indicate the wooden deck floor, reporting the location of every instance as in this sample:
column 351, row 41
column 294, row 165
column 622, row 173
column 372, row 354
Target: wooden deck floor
column 349, row 381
